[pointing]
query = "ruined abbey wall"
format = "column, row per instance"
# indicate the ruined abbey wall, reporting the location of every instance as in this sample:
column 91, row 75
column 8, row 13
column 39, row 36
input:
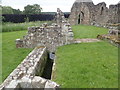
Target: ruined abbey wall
column 45, row 39
column 57, row 34
column 114, row 13
column 85, row 12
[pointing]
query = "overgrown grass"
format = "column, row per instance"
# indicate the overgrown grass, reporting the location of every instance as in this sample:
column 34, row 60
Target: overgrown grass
column 87, row 65
column 12, row 56
column 84, row 31
column 8, row 27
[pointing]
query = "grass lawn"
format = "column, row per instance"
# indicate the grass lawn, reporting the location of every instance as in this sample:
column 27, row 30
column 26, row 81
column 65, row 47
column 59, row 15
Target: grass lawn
column 83, row 31
column 0, row 58
column 11, row 56
column 87, row 65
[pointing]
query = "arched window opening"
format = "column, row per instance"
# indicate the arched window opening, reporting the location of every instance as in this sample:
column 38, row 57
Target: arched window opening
column 102, row 9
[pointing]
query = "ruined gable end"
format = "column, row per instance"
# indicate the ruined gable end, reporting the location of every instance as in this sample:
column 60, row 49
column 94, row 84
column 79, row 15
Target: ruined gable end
column 85, row 12
column 80, row 12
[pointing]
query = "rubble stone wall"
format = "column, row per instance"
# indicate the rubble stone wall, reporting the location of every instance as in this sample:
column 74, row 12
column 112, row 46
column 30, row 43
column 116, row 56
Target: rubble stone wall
column 114, row 13
column 87, row 13
column 57, row 34
column 27, row 74
column 50, row 37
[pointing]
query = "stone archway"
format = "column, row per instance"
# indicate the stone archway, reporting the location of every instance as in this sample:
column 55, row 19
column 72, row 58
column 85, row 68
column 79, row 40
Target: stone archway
column 80, row 17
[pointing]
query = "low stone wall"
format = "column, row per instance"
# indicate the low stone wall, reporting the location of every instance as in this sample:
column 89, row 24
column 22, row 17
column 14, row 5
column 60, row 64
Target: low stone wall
column 27, row 74
column 113, row 37
column 50, row 36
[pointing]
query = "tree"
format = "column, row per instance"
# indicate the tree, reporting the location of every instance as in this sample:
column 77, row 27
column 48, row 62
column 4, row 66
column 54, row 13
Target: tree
column 32, row 9
column 17, row 11
column 7, row 10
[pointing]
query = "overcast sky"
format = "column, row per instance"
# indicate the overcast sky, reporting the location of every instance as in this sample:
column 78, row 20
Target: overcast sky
column 50, row 5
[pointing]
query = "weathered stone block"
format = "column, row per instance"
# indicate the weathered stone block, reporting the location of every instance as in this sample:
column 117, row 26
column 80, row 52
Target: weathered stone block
column 38, row 82
column 51, row 84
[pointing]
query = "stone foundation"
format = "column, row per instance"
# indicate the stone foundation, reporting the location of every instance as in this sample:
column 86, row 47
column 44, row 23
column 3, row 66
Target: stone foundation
column 24, row 76
column 113, row 37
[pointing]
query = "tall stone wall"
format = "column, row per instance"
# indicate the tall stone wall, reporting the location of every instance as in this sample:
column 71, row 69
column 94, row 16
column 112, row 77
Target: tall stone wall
column 101, row 14
column 81, row 13
column 27, row 74
column 114, row 13
column 85, row 12
column 57, row 34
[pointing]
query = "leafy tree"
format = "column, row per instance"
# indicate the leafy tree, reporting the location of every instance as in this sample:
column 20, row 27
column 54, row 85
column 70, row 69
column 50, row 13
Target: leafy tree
column 7, row 10
column 17, row 11
column 32, row 9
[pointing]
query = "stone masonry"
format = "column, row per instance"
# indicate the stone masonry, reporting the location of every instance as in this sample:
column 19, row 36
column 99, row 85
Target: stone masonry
column 113, row 37
column 57, row 34
column 85, row 12
column 44, row 39
column 27, row 74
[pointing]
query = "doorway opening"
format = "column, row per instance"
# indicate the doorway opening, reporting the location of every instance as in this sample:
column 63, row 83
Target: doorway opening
column 80, row 17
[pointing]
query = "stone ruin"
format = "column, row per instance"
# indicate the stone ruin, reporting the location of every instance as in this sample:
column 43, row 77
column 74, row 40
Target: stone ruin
column 57, row 34
column 45, row 39
column 28, row 74
column 85, row 12
column 113, row 36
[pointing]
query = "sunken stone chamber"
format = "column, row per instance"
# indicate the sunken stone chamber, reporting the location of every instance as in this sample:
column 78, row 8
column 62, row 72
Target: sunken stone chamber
column 27, row 74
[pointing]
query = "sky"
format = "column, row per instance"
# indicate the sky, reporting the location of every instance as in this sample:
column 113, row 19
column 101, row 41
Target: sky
column 49, row 5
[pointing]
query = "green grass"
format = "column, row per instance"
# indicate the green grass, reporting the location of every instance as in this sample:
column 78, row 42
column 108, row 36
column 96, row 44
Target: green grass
column 12, row 56
column 87, row 65
column 83, row 31
column 8, row 27
column 0, row 57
